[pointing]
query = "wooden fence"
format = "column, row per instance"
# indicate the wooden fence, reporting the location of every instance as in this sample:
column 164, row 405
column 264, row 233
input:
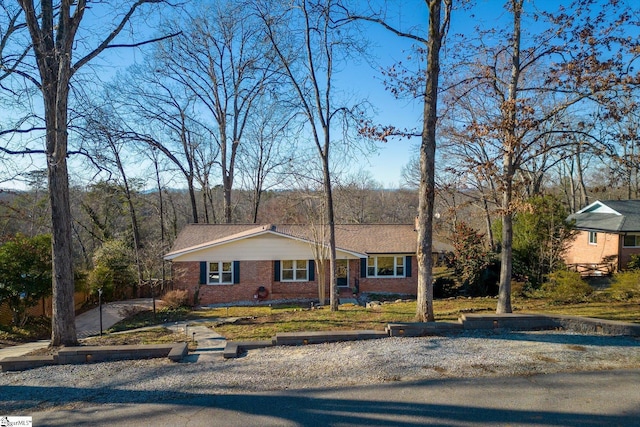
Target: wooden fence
column 42, row 308
column 147, row 289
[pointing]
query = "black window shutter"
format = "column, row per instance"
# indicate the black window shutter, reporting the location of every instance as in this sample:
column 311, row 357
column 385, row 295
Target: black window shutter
column 276, row 271
column 203, row 272
column 312, row 270
column 363, row 267
column 236, row 272
column 407, row 266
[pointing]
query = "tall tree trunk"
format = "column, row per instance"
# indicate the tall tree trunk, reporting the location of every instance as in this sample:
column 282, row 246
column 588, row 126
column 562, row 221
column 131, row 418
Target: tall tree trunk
column 256, row 205
column 53, row 57
column 161, row 208
column 424, row 307
column 510, row 145
column 570, row 192
column 227, row 199
column 204, row 203
column 334, row 299
column 506, row 256
column 137, row 245
column 63, row 327
column 192, row 198
column 487, row 218
column 584, row 198
column 228, row 181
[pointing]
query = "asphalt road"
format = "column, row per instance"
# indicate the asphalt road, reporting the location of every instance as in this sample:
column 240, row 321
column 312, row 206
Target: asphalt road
column 604, row 398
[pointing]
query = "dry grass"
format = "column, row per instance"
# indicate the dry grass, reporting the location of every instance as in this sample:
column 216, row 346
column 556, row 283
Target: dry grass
column 257, row 323
column 624, row 311
column 260, row 323
column 150, row 336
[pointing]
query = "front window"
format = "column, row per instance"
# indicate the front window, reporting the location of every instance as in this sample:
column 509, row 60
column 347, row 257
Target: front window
column 220, row 273
column 295, row 270
column 631, row 241
column 593, row 238
column 385, row 266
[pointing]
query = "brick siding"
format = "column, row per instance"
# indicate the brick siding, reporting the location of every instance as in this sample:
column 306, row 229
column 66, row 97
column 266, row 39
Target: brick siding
column 582, row 252
column 254, row 274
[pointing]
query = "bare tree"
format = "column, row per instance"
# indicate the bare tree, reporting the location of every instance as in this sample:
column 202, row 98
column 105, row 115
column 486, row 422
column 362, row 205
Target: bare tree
column 53, row 31
column 512, row 97
column 162, row 115
column 267, row 152
column 223, row 61
column 102, row 128
column 309, row 44
column 355, row 196
column 436, row 32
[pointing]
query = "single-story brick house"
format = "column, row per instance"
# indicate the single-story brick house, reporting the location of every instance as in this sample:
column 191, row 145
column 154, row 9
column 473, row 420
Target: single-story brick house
column 220, row 263
column 608, row 234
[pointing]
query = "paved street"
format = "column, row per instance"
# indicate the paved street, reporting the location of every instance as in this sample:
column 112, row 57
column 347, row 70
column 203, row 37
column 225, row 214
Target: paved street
column 571, row 399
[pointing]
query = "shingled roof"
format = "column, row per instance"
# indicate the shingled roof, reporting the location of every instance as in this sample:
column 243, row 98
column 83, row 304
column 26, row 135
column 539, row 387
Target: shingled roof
column 358, row 238
column 612, row 216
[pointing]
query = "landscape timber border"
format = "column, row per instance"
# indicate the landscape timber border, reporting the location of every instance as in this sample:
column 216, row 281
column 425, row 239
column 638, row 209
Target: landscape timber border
column 233, row 349
column 519, row 322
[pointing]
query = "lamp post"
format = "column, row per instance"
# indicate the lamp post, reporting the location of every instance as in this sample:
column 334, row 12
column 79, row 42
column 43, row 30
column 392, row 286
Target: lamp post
column 153, row 296
column 100, row 309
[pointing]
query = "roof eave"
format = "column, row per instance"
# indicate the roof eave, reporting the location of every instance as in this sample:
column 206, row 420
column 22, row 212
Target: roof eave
column 172, row 255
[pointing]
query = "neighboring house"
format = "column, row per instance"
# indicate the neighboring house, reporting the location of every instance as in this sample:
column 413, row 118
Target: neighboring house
column 219, row 263
column 609, row 233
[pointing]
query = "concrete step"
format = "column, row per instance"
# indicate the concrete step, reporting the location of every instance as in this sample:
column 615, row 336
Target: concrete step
column 234, row 348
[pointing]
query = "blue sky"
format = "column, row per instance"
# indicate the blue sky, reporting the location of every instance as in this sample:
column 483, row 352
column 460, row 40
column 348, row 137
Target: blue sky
column 362, row 80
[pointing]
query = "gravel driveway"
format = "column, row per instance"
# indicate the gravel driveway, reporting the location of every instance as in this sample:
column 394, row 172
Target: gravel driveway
column 467, row 354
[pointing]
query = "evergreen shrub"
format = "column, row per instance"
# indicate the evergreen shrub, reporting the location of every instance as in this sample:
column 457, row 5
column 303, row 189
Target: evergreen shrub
column 566, row 287
column 625, row 285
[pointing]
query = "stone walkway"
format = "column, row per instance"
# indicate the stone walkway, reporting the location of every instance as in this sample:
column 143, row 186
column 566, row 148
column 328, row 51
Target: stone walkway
column 210, row 344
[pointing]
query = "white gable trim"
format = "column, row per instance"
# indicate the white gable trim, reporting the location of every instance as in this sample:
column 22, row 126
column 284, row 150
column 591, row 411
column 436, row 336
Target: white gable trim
column 598, row 207
column 233, row 238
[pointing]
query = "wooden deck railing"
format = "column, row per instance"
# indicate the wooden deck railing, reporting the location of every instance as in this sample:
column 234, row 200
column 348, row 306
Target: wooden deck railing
column 593, row 269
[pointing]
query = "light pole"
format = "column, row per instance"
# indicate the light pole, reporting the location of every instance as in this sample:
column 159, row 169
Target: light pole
column 100, row 305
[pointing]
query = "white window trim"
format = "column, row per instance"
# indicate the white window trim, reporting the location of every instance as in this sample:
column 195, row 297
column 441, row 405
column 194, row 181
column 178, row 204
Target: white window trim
column 220, row 271
column 295, row 270
column 637, row 236
column 395, row 267
column 593, row 237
